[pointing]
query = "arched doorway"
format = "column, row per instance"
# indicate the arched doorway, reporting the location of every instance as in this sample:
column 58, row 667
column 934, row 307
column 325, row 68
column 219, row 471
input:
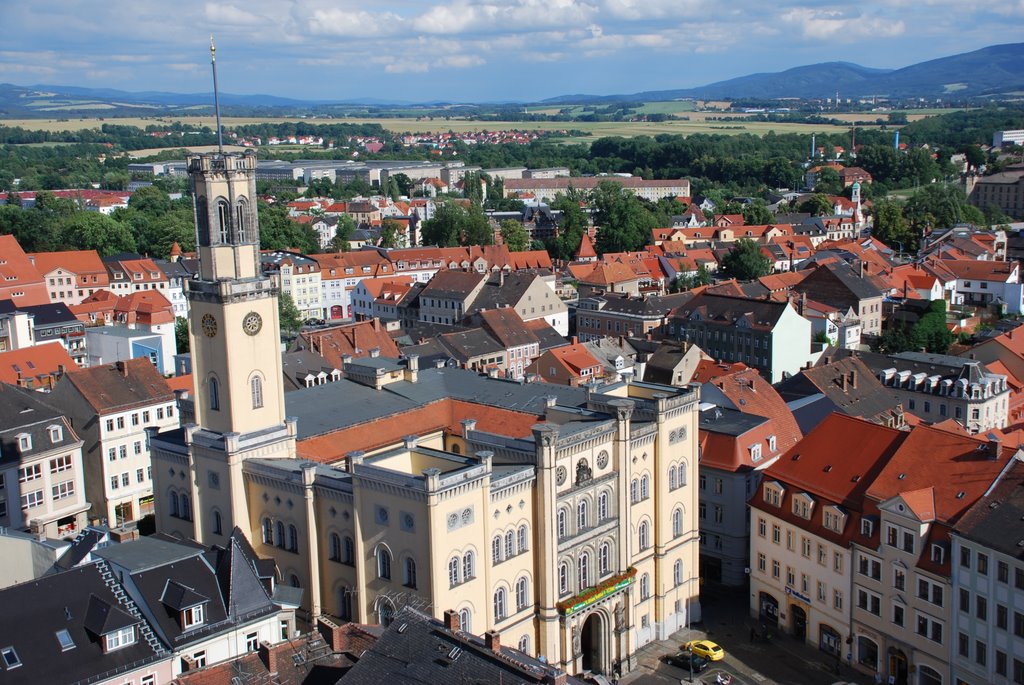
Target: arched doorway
column 926, row 675
column 799, row 621
column 592, row 644
column 898, row 666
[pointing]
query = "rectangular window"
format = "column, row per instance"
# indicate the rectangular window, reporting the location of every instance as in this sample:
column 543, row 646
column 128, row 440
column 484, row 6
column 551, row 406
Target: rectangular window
column 1003, row 572
column 120, row 422
column 761, row 562
column 252, row 642
column 982, row 564
column 125, row 479
column 135, row 419
column 1002, row 616
column 31, row 499
column 115, row 482
column 30, row 473
column 122, row 451
column 120, row 638
column 60, row 464
column 110, row 424
column 148, row 680
column 192, row 617
column 64, row 490
column 897, row 614
column 112, row 454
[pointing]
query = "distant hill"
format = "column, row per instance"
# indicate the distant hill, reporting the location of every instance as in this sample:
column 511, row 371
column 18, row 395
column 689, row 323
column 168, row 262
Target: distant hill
column 995, row 70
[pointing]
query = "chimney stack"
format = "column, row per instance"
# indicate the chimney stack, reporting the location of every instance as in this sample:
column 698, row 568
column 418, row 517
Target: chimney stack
column 853, row 379
column 843, row 382
column 492, row 640
column 122, row 366
column 993, row 446
column 268, row 656
column 451, row 621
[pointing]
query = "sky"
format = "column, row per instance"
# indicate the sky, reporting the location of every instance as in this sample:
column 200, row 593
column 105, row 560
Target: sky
column 473, row 50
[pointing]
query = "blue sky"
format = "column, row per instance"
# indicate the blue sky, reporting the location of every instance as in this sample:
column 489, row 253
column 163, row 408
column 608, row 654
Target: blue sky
column 474, row 50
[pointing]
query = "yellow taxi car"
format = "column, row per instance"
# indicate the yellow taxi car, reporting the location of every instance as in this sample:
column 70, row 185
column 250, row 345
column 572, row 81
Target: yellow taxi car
column 705, row 648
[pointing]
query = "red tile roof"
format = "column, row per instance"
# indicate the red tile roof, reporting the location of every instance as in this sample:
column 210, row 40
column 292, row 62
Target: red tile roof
column 119, row 386
column 354, row 339
column 39, row 363
column 20, row 281
column 752, row 394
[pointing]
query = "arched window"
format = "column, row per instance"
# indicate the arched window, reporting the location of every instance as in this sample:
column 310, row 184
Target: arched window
column 256, row 388
column 348, row 551
column 644, row 535
column 929, row 676
column 186, row 507
column 203, row 221
column 241, row 225
column 563, row 578
column 334, row 545
column 268, row 532
column 677, row 523
column 604, row 554
column 496, row 549
column 562, row 524
column 468, row 566
column 293, row 580
column 214, row 394
column 645, row 586
column 500, row 606
column 672, row 477
column 453, row 571
column 345, row 604
column 602, row 507
column 465, row 620
column 510, row 545
column 583, row 570
column 681, row 475
column 523, row 539
column 383, row 564
column 410, row 572
column 175, row 511
column 223, row 221
column 524, row 644
column 582, row 515
column 217, row 523
column 521, row 594
column 634, row 491
column 279, row 539
column 645, row 489
column 677, row 572
column 293, row 539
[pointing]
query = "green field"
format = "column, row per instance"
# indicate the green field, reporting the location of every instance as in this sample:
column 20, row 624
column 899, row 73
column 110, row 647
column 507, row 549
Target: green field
column 696, row 122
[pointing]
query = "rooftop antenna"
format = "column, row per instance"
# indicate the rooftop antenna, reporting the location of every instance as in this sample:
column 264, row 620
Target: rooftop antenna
column 216, row 97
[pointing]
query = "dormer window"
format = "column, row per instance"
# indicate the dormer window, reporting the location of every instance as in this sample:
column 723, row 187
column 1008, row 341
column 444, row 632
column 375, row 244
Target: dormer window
column 755, row 452
column 833, row 519
column 938, row 554
column 773, row 493
column 802, row 505
column 867, row 527
column 56, row 434
column 120, row 638
column 24, row 442
column 771, row 443
column 192, row 617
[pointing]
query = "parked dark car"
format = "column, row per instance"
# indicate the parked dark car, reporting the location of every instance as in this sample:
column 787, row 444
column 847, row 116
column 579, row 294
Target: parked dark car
column 687, row 661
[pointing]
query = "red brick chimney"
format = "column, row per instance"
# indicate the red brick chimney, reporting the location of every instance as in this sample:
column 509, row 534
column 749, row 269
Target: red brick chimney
column 268, row 656
column 853, row 379
column 451, row 621
column 492, row 640
column 334, row 635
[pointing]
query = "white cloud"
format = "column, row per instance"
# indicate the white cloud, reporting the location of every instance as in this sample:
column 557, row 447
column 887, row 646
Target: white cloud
column 833, row 25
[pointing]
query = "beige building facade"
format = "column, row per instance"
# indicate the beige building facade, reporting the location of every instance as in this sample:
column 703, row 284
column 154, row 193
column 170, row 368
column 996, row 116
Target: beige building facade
column 564, row 518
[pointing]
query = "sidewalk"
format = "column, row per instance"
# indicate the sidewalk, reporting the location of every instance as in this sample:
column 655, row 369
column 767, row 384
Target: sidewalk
column 782, row 660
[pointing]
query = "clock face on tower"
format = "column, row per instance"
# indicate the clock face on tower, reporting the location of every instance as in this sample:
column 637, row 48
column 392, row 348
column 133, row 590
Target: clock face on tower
column 209, row 325
column 252, row 323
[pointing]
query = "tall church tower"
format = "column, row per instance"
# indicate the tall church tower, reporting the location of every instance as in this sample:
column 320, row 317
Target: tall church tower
column 236, row 347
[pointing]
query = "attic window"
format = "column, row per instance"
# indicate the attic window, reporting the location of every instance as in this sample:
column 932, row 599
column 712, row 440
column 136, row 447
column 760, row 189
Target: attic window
column 938, row 554
column 56, row 434
column 120, row 638
column 867, row 527
column 11, row 658
column 192, row 617
column 64, row 638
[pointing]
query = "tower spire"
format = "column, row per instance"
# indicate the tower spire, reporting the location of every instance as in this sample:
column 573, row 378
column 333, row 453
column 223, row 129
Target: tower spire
column 216, row 97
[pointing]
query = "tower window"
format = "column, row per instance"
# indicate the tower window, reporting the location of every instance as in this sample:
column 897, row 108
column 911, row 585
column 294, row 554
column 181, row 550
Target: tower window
column 240, row 211
column 257, row 392
column 214, row 395
column 223, row 221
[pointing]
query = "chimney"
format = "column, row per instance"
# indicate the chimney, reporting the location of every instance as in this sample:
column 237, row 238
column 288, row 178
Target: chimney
column 376, row 324
column 993, row 446
column 803, row 303
column 268, row 656
column 412, row 368
column 556, row 678
column 853, row 379
column 451, row 621
column 467, row 426
column 843, row 382
column 575, row 340
column 862, row 268
column 334, row 635
column 122, row 367
column 492, row 640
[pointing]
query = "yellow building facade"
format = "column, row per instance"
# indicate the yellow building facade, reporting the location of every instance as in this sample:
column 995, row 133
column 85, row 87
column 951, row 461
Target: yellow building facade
column 564, row 518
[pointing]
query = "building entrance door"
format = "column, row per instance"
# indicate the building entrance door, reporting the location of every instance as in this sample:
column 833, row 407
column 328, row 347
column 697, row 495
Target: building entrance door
column 592, row 642
column 799, row 622
column 898, row 666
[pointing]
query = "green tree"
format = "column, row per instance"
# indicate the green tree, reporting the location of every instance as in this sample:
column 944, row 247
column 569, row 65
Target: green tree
column 343, row 234
column 290, row 316
column 931, row 331
column 514, row 235
column 757, row 213
column 817, row 205
column 181, row 335
column 475, row 229
column 95, row 231
column 150, row 200
column 390, row 233
column 403, row 183
column 625, row 222
column 890, row 225
column 745, row 261
column 442, row 229
column 279, row 232
column 828, row 182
